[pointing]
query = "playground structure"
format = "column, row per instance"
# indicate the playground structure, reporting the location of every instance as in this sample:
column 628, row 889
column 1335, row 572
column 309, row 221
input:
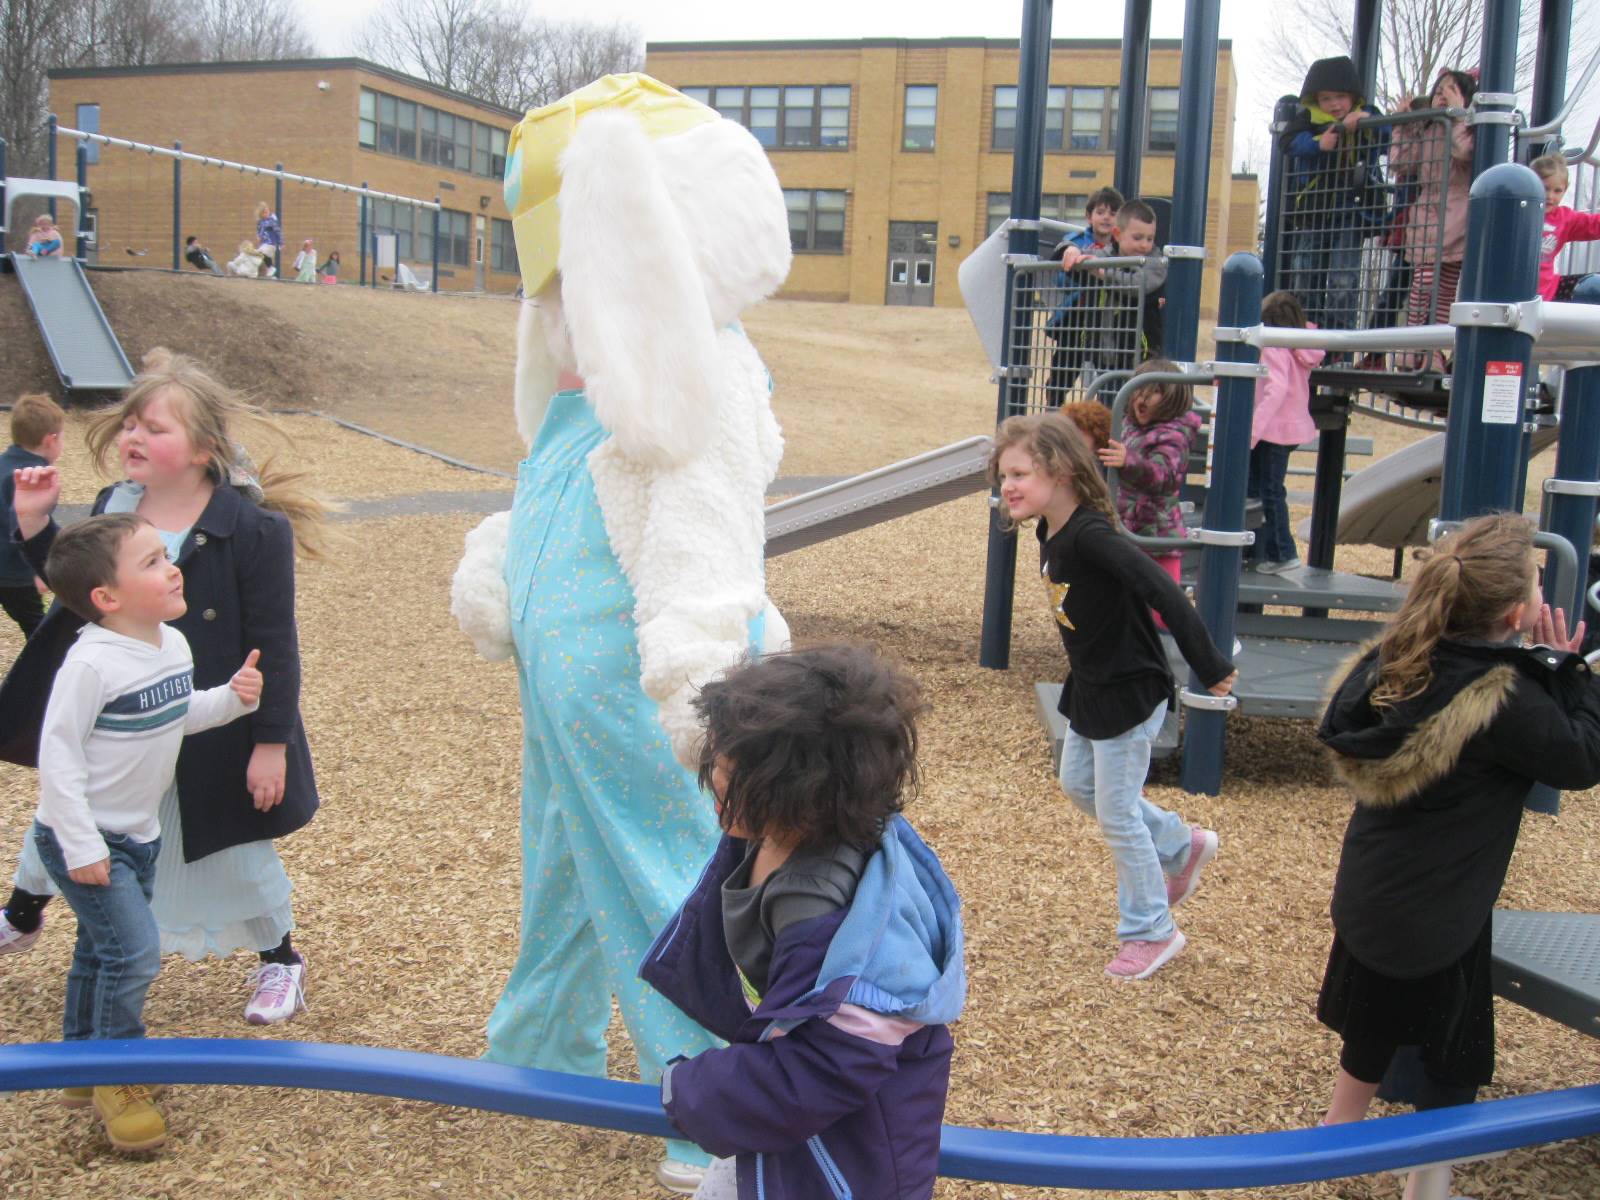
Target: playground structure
column 1021, row 1158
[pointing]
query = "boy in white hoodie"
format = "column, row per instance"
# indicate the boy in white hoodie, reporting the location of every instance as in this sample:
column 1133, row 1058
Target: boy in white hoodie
column 120, row 705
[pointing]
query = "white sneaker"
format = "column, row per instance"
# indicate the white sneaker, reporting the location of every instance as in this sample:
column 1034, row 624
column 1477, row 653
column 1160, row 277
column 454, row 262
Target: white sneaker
column 14, row 941
column 680, row 1177
column 1278, row 567
column 279, row 992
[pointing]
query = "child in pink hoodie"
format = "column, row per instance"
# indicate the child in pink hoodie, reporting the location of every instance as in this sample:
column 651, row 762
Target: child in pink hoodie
column 1282, row 423
column 1561, row 225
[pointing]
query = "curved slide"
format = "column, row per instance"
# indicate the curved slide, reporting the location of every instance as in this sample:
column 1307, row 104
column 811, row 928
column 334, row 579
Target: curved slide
column 1391, row 502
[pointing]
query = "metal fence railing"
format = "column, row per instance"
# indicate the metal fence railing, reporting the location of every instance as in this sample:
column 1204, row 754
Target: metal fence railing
column 1068, row 328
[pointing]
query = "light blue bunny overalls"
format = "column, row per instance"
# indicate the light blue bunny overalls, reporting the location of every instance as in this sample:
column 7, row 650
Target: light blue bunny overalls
column 615, row 832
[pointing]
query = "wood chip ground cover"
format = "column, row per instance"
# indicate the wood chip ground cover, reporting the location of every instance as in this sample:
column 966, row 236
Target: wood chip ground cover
column 408, row 887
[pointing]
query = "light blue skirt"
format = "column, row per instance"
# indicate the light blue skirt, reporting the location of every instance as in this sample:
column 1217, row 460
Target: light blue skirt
column 235, row 899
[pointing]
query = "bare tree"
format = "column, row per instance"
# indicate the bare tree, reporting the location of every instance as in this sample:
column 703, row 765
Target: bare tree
column 1418, row 38
column 34, row 34
column 134, row 33
column 493, row 51
column 251, row 30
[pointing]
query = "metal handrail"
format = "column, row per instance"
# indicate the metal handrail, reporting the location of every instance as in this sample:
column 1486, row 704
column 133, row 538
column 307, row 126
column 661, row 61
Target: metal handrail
column 1119, row 410
column 1553, row 125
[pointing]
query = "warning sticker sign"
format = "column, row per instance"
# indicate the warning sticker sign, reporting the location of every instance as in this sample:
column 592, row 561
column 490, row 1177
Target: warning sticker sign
column 1502, row 393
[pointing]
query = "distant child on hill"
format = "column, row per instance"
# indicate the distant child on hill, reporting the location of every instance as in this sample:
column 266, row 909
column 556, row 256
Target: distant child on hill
column 119, row 706
column 36, row 433
column 305, row 263
column 330, row 269
column 269, row 239
column 233, row 528
column 1282, row 424
column 1153, row 460
column 1561, row 225
column 1101, row 589
column 1114, row 308
column 1068, row 327
column 1440, row 731
column 823, row 941
column 199, row 257
column 248, row 263
column 1332, row 201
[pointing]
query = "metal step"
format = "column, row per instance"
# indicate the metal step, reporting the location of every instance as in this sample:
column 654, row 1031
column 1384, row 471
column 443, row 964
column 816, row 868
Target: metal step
column 1550, row 963
column 1046, row 696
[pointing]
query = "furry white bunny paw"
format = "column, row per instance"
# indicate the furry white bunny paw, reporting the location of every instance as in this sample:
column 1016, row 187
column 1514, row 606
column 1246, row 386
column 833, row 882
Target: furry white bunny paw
column 478, row 598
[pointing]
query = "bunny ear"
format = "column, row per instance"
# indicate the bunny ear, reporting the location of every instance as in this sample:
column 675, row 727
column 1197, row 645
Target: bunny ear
column 636, row 308
column 537, row 367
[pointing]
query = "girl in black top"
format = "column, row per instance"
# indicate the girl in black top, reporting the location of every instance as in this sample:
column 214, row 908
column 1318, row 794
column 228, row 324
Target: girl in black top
column 1101, row 588
column 1440, row 730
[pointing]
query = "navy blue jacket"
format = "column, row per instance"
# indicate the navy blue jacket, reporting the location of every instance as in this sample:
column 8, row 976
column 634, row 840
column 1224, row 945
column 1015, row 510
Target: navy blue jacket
column 835, row 1084
column 14, row 568
column 238, row 580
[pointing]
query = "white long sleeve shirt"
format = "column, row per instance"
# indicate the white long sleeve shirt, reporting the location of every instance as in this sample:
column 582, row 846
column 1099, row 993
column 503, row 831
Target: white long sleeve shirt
column 108, row 749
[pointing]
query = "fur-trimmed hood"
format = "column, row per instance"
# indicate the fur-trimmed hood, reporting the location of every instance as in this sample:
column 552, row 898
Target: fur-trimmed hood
column 1387, row 756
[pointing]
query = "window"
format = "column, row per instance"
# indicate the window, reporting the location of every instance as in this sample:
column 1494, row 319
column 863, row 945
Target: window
column 409, row 130
column 796, row 117
column 455, row 238
column 1004, row 136
column 922, row 115
column 1163, row 127
column 389, row 217
column 89, row 122
column 1093, row 118
column 1053, row 206
column 502, row 247
column 816, row 220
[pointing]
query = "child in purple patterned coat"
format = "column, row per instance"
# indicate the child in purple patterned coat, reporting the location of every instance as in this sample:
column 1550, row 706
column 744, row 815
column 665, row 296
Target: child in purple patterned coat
column 1153, row 460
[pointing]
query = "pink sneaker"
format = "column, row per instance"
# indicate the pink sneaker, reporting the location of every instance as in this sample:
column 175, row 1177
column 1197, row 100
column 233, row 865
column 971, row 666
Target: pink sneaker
column 1202, row 849
column 1140, row 960
column 279, row 992
column 13, row 940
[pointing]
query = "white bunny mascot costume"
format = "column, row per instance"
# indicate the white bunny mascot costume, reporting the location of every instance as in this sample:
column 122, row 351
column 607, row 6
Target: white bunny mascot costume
column 629, row 571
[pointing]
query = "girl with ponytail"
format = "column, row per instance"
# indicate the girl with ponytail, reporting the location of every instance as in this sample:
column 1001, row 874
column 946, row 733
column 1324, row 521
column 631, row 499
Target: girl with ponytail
column 1440, row 731
column 1101, row 590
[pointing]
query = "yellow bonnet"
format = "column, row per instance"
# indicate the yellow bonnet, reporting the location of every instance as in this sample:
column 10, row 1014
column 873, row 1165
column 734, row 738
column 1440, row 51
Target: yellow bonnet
column 533, row 172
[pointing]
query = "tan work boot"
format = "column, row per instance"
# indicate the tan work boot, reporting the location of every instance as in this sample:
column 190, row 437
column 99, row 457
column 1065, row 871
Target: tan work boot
column 131, row 1121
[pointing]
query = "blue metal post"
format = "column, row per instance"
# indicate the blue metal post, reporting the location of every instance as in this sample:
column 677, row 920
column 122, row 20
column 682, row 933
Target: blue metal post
column 177, row 209
column 1217, row 593
column 1483, row 436
column 1272, row 229
column 1027, row 177
column 80, row 250
column 1492, row 142
column 1364, row 45
column 1550, row 68
column 436, row 212
column 52, row 157
column 1577, row 461
column 1191, row 169
column 277, row 207
column 361, row 279
column 1131, row 95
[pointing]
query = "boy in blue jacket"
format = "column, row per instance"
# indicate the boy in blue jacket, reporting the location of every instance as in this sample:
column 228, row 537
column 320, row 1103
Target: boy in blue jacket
column 1074, row 346
column 1334, row 191
column 823, row 940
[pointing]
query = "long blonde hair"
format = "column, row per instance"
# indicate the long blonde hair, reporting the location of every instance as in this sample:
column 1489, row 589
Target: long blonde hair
column 1062, row 451
column 1466, row 586
column 213, row 415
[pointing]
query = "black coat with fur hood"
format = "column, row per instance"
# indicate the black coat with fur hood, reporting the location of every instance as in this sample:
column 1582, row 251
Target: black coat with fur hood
column 1440, row 782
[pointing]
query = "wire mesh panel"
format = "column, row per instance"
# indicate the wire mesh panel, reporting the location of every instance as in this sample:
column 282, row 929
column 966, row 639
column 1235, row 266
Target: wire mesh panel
column 1372, row 227
column 1068, row 328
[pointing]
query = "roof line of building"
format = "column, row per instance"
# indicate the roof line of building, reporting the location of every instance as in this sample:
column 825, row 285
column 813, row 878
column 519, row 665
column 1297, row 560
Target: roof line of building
column 291, row 64
column 952, row 43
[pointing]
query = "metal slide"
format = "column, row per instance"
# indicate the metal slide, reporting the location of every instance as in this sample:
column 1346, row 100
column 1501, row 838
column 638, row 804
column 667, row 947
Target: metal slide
column 894, row 491
column 83, row 350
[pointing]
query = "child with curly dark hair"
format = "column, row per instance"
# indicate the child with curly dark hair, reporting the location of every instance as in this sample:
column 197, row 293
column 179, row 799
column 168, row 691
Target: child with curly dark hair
column 823, row 940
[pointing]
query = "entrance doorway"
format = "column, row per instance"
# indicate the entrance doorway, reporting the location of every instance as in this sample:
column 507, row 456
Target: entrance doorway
column 912, row 248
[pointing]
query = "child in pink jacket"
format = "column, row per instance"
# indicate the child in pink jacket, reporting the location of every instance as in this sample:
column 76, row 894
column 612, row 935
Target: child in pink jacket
column 1561, row 225
column 1282, row 423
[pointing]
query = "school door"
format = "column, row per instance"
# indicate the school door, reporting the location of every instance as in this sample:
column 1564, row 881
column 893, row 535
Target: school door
column 912, row 246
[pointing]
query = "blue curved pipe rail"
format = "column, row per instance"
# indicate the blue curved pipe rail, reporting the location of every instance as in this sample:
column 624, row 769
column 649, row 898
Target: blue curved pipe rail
column 1046, row 1160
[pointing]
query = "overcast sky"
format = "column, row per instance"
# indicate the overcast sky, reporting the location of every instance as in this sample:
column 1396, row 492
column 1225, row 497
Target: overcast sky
column 1245, row 22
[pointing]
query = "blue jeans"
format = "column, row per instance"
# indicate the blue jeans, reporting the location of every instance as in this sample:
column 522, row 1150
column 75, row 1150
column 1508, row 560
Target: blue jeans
column 119, row 950
column 1269, row 466
column 1105, row 778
